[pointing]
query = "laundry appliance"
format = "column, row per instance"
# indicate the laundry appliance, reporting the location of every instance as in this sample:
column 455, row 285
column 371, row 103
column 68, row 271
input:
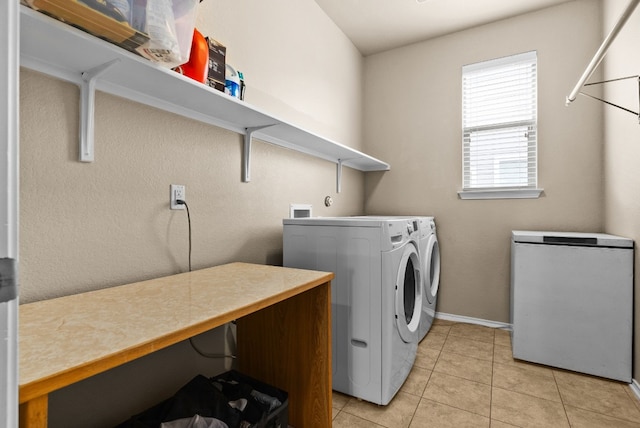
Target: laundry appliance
column 429, row 249
column 572, row 301
column 376, row 296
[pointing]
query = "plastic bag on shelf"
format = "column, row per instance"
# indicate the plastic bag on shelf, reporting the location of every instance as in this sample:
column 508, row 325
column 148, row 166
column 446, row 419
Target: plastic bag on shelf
column 169, row 24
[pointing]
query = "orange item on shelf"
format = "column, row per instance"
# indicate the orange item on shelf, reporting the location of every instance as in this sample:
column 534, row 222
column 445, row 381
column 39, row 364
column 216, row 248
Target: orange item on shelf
column 197, row 67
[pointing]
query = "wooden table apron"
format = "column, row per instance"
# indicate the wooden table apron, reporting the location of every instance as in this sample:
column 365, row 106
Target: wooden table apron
column 284, row 332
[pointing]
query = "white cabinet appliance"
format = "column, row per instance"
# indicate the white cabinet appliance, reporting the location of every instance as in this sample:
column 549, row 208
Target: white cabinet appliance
column 572, row 301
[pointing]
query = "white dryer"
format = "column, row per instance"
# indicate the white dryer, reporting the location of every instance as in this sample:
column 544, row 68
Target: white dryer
column 430, row 258
column 429, row 251
column 376, row 296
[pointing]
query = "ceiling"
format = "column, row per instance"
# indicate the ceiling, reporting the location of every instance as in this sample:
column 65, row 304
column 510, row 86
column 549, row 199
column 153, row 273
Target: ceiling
column 378, row 25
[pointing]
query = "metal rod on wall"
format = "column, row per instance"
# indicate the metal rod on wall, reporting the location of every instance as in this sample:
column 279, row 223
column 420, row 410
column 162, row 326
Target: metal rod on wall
column 603, row 50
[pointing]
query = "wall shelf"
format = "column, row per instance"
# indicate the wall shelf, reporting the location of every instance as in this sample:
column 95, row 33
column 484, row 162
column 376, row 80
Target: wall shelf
column 64, row 52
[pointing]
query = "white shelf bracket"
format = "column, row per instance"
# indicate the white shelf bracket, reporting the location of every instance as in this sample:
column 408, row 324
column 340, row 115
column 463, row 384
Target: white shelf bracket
column 246, row 153
column 339, row 174
column 87, row 109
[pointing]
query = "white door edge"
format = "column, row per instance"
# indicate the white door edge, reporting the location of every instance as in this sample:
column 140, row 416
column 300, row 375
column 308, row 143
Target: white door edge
column 9, row 125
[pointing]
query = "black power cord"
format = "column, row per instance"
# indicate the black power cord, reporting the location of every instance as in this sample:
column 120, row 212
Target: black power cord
column 193, row 345
column 182, row 202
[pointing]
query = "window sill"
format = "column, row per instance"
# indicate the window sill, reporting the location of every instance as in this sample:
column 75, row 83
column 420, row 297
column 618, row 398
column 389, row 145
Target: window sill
column 501, row 194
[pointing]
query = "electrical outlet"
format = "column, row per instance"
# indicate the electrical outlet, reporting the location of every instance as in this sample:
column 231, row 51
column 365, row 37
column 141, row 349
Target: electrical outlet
column 177, row 192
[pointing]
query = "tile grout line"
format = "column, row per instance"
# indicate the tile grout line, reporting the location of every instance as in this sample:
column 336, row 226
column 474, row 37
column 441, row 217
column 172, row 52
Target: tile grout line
column 493, row 388
column 426, row 386
column 582, row 407
column 455, row 353
column 468, row 356
column 472, row 339
column 469, row 380
column 413, row 415
column 564, row 407
column 533, row 396
column 596, row 412
column 448, row 374
column 457, row 408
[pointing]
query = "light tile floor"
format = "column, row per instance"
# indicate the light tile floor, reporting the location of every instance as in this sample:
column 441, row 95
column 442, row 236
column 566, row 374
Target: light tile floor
column 465, row 376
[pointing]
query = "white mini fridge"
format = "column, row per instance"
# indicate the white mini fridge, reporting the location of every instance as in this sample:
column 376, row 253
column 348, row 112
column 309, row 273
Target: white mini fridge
column 572, row 301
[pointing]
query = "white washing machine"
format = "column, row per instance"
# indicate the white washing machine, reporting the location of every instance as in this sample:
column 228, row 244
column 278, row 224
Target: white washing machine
column 429, row 251
column 376, row 296
column 430, row 258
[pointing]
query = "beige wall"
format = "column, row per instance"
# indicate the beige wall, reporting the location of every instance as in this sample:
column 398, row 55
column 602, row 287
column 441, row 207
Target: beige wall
column 89, row 226
column 412, row 119
column 297, row 64
column 622, row 137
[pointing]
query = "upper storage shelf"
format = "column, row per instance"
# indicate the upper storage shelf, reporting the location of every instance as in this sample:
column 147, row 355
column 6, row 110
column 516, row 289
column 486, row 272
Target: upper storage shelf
column 62, row 51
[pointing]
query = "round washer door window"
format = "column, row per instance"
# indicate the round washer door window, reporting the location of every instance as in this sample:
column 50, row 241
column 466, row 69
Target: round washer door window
column 432, row 263
column 408, row 294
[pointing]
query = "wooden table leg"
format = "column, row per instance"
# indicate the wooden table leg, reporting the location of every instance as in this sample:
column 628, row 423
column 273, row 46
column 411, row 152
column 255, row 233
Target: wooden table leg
column 34, row 413
column 288, row 345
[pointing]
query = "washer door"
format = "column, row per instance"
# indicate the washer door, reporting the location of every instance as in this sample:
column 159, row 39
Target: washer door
column 432, row 266
column 408, row 294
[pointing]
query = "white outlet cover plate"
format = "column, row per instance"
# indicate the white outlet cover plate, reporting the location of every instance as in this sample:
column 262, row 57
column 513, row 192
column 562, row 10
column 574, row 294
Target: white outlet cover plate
column 177, row 192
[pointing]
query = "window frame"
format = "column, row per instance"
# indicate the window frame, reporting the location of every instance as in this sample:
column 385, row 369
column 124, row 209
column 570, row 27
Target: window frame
column 531, row 189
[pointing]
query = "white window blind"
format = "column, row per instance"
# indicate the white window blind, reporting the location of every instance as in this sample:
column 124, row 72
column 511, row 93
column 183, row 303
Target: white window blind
column 499, row 119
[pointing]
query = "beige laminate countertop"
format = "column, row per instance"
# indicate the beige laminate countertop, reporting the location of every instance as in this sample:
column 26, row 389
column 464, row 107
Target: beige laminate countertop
column 70, row 338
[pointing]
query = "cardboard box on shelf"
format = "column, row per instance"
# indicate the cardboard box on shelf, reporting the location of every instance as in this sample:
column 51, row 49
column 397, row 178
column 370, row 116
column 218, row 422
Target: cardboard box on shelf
column 99, row 19
column 217, row 58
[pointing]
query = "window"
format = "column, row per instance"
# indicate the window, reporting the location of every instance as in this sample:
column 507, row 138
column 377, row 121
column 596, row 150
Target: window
column 499, row 121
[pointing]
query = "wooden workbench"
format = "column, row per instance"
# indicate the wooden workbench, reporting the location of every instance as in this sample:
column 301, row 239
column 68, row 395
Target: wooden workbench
column 283, row 324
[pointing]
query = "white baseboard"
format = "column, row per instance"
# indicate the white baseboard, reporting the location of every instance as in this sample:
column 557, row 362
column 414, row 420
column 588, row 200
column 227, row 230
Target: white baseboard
column 471, row 320
column 635, row 387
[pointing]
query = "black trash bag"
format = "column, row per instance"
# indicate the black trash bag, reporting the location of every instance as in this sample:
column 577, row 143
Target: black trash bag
column 260, row 413
column 253, row 412
column 199, row 396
